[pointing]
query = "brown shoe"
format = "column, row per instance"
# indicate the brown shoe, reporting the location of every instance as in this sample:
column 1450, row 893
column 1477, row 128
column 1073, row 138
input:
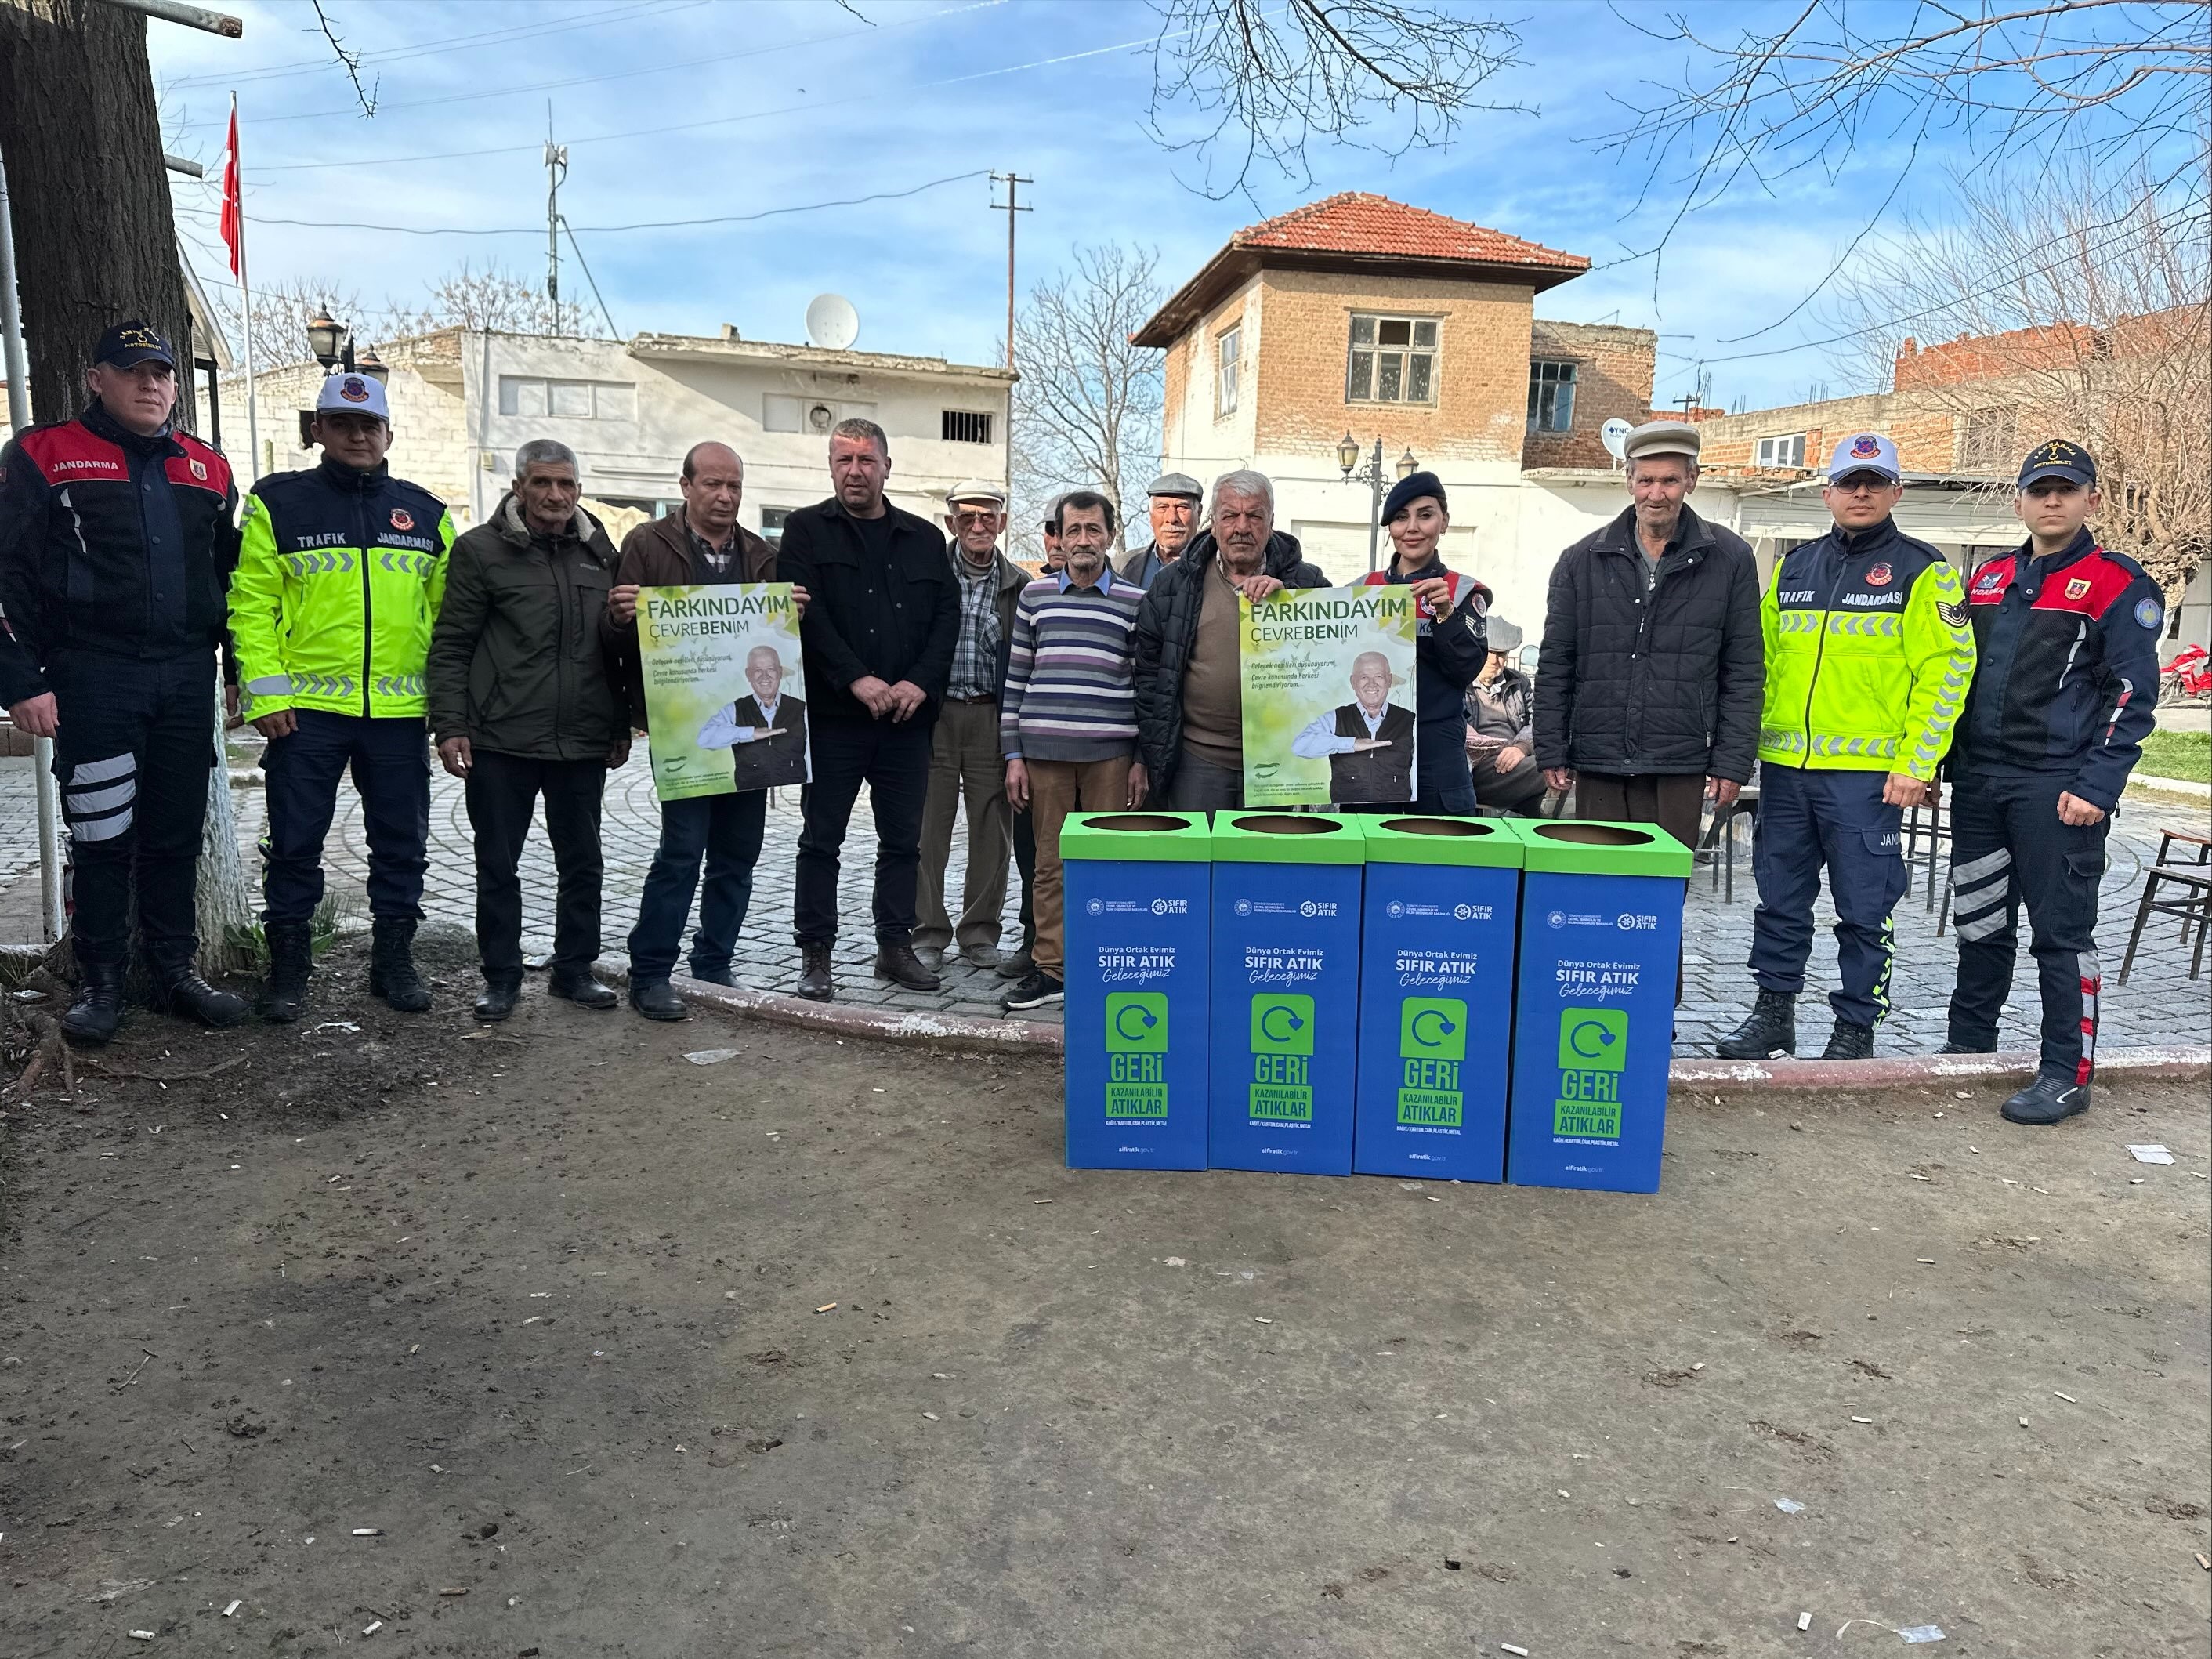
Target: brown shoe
column 814, row 982
column 899, row 965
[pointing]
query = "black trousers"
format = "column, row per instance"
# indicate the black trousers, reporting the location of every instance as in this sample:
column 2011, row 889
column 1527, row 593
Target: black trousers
column 391, row 764
column 502, row 797
column 892, row 759
column 132, row 753
column 2006, row 846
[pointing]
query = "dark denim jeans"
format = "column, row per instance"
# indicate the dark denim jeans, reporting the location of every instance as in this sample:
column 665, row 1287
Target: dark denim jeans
column 728, row 831
column 892, row 759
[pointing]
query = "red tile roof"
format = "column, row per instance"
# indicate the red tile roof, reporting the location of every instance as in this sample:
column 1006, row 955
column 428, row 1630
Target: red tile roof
column 1353, row 221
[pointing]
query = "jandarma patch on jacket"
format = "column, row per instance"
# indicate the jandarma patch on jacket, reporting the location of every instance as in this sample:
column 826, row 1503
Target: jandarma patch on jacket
column 2148, row 613
column 1879, row 576
column 2078, row 588
column 1953, row 614
column 402, row 518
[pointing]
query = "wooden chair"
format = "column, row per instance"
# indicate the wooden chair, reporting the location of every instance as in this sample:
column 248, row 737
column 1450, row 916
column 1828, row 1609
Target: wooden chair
column 2193, row 905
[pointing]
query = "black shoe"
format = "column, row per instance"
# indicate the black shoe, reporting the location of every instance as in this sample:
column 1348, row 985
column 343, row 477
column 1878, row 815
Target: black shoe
column 391, row 973
column 182, row 993
column 899, row 965
column 1017, row 964
column 2046, row 1101
column 97, row 1008
column 653, row 998
column 1966, row 1048
column 1038, row 990
column 582, row 990
column 1849, row 1042
column 814, row 981
column 291, row 959
column 712, row 975
column 497, row 999
column 1771, row 1030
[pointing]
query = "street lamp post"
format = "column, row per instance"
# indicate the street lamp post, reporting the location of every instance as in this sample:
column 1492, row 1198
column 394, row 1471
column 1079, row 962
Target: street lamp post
column 332, row 346
column 1371, row 475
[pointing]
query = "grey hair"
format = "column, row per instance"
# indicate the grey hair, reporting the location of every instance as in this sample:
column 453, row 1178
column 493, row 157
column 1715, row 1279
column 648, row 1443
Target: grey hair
column 1690, row 461
column 857, row 429
column 1246, row 485
column 544, row 452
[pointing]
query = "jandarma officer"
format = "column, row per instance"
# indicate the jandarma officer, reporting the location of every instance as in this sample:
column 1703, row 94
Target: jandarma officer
column 2067, row 635
column 1868, row 659
column 339, row 578
column 116, row 541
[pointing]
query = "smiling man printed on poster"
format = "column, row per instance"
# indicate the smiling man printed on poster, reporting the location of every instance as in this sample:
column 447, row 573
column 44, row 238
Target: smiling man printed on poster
column 1369, row 741
column 765, row 733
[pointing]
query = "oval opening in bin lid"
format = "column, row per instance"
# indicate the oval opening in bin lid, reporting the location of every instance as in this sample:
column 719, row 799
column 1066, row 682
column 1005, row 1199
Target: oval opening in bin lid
column 1596, row 834
column 1287, row 824
column 1137, row 823
column 1438, row 827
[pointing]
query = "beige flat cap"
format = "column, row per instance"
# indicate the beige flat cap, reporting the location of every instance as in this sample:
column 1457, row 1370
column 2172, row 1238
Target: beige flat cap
column 1661, row 438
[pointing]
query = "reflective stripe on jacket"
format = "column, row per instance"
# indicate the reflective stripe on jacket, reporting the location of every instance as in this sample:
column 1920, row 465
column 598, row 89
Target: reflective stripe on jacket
column 1868, row 654
column 340, row 577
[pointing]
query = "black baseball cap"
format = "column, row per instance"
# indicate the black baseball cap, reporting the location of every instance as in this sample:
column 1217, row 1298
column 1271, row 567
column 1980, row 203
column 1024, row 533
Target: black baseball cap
column 2059, row 460
column 128, row 344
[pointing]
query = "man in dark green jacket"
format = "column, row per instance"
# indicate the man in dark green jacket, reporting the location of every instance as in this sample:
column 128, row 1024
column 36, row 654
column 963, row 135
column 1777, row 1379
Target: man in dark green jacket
column 523, row 700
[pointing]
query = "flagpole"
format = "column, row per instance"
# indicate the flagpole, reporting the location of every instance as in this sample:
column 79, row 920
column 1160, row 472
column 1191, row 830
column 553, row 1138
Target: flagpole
column 245, row 306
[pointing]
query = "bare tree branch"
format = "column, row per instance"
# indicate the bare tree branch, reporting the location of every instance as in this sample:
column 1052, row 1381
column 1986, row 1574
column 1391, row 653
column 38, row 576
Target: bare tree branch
column 352, row 61
column 1087, row 408
column 1238, row 83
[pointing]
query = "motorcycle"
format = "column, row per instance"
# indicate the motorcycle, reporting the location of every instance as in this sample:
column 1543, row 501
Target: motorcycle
column 2188, row 678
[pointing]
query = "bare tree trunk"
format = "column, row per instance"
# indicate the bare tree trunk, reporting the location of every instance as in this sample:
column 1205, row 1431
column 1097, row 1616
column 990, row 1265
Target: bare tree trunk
column 95, row 239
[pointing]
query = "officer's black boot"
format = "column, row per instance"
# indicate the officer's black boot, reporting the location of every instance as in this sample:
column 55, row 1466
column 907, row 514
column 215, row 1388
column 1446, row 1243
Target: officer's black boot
column 1849, row 1042
column 1771, row 1030
column 2050, row 1099
column 391, row 973
column 97, row 1008
column 291, row 956
column 184, row 993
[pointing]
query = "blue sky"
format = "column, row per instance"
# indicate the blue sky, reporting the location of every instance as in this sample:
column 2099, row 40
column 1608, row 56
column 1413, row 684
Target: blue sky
column 778, row 103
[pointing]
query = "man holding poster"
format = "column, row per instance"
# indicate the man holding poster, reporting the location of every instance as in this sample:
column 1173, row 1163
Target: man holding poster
column 700, row 559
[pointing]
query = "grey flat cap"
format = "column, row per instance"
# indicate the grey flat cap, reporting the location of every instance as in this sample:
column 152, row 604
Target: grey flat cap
column 979, row 489
column 1502, row 634
column 1175, row 483
column 1661, row 438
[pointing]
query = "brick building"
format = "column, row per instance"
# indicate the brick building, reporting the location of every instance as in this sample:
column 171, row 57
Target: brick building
column 1360, row 315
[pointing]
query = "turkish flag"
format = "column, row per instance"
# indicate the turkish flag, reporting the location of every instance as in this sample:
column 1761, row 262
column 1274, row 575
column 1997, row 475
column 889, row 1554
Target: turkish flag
column 234, row 209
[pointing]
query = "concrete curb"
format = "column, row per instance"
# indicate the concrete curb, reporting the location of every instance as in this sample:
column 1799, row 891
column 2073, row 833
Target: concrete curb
column 1029, row 1037
column 2172, row 786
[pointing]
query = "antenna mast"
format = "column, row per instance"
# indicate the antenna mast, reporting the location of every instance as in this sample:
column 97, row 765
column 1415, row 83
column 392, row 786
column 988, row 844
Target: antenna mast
column 556, row 169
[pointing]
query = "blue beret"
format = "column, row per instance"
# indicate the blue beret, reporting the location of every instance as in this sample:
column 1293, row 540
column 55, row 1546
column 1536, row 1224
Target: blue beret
column 1411, row 487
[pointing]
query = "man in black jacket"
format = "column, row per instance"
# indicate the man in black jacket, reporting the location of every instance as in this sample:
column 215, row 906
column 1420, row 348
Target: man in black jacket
column 1648, row 689
column 1189, row 698
column 117, row 541
column 878, row 636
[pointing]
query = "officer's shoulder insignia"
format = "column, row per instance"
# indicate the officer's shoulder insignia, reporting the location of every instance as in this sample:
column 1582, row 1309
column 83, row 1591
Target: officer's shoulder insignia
column 402, row 518
column 2150, row 613
column 2078, row 588
column 1879, row 576
column 1953, row 614
column 199, row 469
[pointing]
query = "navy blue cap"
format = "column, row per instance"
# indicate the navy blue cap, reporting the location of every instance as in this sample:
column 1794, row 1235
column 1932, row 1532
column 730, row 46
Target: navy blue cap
column 1411, row 487
column 128, row 344
column 2059, row 460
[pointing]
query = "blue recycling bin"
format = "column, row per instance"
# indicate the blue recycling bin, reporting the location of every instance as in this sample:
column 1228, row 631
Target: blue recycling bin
column 1285, row 990
column 1436, row 996
column 1593, row 1015
column 1135, row 887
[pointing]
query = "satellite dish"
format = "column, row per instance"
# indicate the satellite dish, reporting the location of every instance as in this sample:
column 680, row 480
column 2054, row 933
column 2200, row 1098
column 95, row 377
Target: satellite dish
column 1614, row 434
column 831, row 322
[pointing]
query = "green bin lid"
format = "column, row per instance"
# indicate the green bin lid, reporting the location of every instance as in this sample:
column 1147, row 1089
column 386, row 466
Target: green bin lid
column 1141, row 836
column 1431, row 838
column 1590, row 848
column 1265, row 835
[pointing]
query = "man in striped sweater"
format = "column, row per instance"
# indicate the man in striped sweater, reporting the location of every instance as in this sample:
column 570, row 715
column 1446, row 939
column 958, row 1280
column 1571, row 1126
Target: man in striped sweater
column 1067, row 717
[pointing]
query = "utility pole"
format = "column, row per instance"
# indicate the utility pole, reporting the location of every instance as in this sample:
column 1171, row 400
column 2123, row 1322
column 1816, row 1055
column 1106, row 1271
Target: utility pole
column 556, row 169
column 1013, row 182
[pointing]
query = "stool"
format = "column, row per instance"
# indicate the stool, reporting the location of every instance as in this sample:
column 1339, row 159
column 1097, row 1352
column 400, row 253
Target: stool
column 1718, row 843
column 2194, row 907
column 1937, row 833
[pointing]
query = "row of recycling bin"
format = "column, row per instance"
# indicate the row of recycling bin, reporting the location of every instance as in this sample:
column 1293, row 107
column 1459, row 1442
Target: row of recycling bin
column 1457, row 998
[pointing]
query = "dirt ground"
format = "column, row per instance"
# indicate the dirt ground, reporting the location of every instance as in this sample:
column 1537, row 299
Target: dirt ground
column 550, row 1342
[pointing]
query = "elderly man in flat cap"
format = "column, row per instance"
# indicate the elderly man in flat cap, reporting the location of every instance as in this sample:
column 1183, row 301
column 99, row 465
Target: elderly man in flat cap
column 1174, row 499
column 964, row 759
column 1648, row 687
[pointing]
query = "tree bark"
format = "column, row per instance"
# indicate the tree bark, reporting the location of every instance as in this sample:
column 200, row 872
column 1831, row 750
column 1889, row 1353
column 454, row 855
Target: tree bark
column 95, row 235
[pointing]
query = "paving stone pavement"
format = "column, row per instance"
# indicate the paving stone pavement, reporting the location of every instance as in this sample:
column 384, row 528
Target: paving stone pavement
column 2160, row 1006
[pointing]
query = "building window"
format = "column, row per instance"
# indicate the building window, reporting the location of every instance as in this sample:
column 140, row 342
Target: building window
column 567, row 400
column 772, row 520
column 782, row 413
column 1393, row 361
column 1226, row 349
column 1550, row 395
column 653, row 506
column 1788, row 450
column 1988, row 442
column 965, row 426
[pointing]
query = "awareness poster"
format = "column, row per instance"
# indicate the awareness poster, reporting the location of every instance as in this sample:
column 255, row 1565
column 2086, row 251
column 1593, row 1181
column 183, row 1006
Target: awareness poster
column 723, row 688
column 1328, row 696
